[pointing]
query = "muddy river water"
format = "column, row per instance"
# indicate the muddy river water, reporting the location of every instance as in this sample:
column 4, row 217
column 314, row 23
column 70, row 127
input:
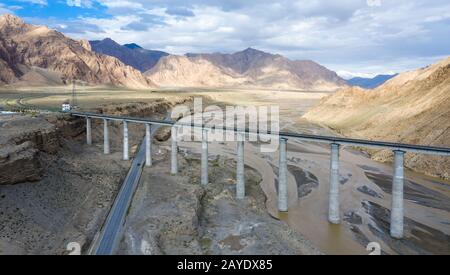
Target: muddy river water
column 365, row 191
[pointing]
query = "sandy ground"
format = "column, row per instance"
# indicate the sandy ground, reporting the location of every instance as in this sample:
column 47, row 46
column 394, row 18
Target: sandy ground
column 51, row 98
column 91, row 97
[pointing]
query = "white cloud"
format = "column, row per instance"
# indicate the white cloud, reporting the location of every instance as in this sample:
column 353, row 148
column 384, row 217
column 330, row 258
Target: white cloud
column 389, row 67
column 37, row 2
column 360, row 36
column 9, row 9
column 4, row 9
column 350, row 75
column 79, row 3
column 121, row 4
column 373, row 3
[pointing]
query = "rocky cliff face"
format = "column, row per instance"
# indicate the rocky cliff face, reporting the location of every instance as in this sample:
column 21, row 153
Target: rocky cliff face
column 24, row 46
column 23, row 138
column 248, row 68
column 413, row 107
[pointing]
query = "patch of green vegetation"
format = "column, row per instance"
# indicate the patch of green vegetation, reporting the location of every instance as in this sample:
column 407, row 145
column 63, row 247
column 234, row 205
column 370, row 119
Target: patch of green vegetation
column 205, row 244
column 215, row 163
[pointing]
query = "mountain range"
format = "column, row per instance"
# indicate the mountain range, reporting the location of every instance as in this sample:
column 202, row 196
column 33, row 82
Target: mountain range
column 370, row 83
column 130, row 54
column 247, row 68
column 37, row 55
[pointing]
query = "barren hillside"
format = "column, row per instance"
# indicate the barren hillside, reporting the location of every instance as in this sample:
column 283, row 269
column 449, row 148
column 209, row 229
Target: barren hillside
column 24, row 47
column 248, row 68
column 182, row 71
column 413, row 107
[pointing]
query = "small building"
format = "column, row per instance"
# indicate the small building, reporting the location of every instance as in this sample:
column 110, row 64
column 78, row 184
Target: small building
column 66, row 107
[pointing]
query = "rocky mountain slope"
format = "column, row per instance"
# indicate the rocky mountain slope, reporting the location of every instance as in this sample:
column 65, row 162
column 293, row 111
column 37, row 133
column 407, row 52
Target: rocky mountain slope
column 183, row 71
column 370, row 83
column 251, row 68
column 24, row 47
column 130, row 54
column 413, row 107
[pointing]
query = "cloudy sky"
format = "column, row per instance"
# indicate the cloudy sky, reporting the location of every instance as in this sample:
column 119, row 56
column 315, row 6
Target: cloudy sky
column 356, row 36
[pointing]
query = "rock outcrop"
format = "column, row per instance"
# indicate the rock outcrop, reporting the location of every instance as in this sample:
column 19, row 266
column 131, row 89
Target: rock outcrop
column 24, row 46
column 23, row 138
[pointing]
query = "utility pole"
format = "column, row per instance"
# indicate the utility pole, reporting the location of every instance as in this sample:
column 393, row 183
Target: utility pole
column 74, row 96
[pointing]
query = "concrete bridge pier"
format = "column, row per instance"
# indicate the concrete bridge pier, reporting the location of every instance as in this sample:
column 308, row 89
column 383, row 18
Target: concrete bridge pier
column 240, row 177
column 282, row 177
column 148, row 145
column 204, row 168
column 106, row 149
column 397, row 196
column 333, row 210
column 88, row 131
column 125, row 141
column 174, row 152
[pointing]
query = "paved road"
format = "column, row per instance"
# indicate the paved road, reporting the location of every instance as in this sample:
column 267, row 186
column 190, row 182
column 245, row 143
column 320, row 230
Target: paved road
column 111, row 233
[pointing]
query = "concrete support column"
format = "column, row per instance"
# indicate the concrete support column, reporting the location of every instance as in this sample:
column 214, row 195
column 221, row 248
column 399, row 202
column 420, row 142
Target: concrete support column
column 204, row 169
column 397, row 196
column 174, row 152
column 125, row 141
column 148, row 145
column 282, row 177
column 240, row 176
column 88, row 131
column 333, row 209
column 106, row 149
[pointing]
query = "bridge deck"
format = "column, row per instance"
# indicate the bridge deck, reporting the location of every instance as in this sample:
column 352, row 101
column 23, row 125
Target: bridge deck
column 422, row 149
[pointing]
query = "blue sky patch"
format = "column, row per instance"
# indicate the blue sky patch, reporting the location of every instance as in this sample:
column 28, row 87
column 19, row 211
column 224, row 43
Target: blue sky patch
column 58, row 9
